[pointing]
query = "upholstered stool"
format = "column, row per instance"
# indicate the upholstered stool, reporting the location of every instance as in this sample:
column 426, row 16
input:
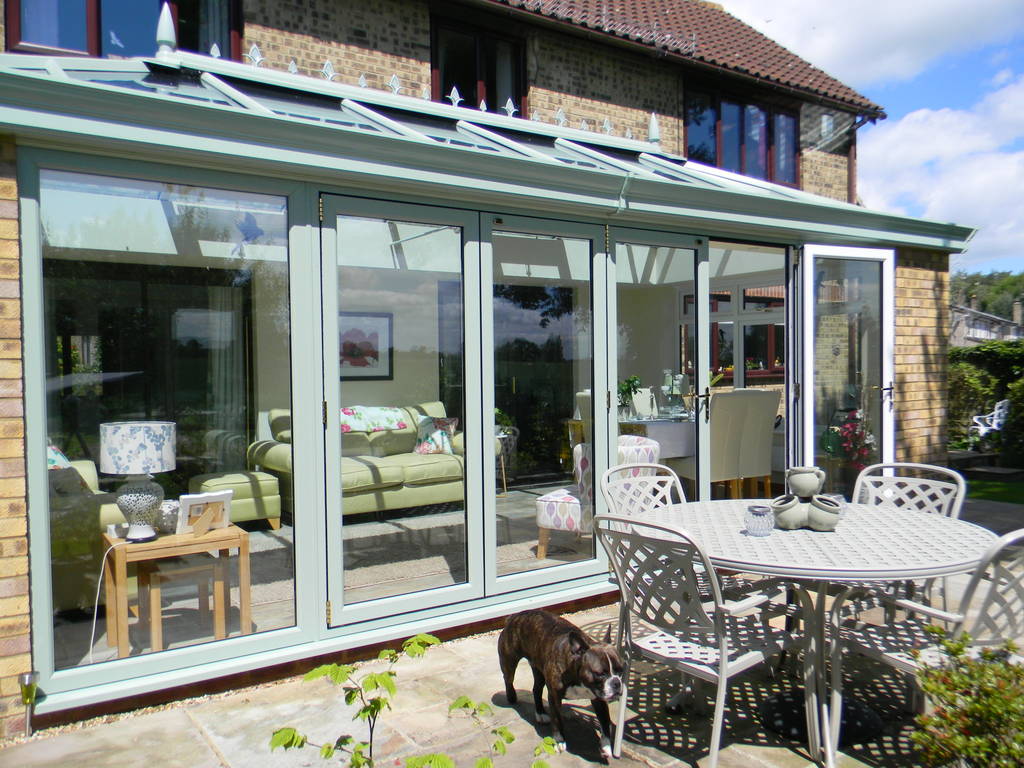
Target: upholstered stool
column 556, row 511
column 256, row 494
column 572, row 509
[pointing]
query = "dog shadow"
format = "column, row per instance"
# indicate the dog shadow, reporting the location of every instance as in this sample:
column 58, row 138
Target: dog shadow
column 582, row 731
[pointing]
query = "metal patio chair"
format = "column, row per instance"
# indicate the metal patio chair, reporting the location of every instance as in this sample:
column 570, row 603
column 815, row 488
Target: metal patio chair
column 660, row 570
column 991, row 612
column 925, row 487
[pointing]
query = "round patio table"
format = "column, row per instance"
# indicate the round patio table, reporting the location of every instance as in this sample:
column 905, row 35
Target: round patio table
column 870, row 543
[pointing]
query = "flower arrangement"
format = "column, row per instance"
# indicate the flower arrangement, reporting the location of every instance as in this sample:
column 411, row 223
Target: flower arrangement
column 851, row 440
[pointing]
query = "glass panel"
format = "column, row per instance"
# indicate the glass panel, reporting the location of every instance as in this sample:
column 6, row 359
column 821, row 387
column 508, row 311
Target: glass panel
column 701, row 119
column 732, row 137
column 55, row 23
column 764, row 351
column 652, row 355
column 456, row 61
column 847, row 367
column 167, row 303
column 402, row 415
column 501, row 74
column 543, row 373
column 755, row 144
column 201, row 23
column 748, row 341
column 128, row 28
column 785, row 149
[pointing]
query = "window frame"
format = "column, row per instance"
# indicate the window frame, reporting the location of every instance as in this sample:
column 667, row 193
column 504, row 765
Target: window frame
column 482, row 35
column 715, row 98
column 93, row 31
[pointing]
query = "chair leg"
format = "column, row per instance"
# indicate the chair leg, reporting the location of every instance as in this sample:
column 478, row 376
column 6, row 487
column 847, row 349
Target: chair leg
column 620, row 721
column 767, row 480
column 836, row 702
column 736, row 488
column 543, row 536
column 716, row 727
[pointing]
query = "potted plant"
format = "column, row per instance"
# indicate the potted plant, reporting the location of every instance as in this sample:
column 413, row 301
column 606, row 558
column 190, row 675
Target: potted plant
column 627, row 388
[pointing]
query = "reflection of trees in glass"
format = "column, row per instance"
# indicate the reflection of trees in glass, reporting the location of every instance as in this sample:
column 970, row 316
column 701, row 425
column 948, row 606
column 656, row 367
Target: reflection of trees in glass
column 552, row 302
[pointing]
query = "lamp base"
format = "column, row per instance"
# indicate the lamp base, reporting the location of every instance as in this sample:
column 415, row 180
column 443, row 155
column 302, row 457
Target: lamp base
column 139, row 501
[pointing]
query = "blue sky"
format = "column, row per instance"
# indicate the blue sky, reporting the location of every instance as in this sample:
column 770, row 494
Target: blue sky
column 950, row 75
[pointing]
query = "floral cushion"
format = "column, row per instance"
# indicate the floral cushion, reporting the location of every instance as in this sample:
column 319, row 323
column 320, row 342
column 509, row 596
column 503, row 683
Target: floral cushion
column 366, row 418
column 434, row 435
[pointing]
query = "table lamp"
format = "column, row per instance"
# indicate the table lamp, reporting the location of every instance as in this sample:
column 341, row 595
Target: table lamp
column 138, row 449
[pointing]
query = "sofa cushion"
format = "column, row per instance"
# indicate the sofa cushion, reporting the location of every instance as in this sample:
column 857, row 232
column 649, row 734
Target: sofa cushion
column 367, row 473
column 422, row 469
column 245, row 485
column 434, row 435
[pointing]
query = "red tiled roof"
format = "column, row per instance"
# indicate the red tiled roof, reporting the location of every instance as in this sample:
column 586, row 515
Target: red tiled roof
column 701, row 31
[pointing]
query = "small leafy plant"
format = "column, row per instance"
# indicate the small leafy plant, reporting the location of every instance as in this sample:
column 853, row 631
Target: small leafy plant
column 627, row 388
column 977, row 714
column 373, row 692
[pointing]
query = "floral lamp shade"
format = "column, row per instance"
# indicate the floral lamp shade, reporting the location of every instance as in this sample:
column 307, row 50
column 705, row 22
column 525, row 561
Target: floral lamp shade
column 137, row 447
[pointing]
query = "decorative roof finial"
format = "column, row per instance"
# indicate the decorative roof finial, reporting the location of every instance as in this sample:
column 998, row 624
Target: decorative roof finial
column 328, row 71
column 560, row 118
column 362, row 82
column 166, row 37
column 215, row 51
column 254, row 56
column 483, row 105
column 395, row 84
column 606, row 126
column 293, row 68
column 454, row 97
column 510, row 108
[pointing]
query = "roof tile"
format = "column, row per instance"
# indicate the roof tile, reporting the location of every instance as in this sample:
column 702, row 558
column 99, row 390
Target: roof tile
column 702, row 31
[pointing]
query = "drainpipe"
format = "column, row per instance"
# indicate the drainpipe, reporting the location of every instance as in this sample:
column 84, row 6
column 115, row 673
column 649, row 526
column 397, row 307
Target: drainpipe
column 851, row 155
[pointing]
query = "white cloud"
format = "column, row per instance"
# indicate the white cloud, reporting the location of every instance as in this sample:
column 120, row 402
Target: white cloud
column 955, row 165
column 866, row 42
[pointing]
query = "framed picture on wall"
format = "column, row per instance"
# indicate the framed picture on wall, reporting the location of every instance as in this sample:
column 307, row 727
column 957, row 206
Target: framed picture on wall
column 366, row 345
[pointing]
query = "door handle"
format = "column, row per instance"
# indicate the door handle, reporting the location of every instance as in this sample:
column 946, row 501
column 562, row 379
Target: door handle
column 706, row 397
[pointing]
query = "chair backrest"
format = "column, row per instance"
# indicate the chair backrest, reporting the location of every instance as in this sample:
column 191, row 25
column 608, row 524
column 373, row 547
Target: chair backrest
column 742, row 424
column 993, row 603
column 913, row 486
column 999, row 414
column 631, row 489
column 660, row 571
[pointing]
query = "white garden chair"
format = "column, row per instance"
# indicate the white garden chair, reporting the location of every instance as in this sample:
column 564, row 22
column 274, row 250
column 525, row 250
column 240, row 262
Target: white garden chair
column 986, row 423
column 660, row 570
column 991, row 612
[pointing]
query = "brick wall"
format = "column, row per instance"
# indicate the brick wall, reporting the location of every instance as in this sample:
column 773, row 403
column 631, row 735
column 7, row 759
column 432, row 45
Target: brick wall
column 15, row 645
column 824, row 173
column 922, row 336
column 375, row 38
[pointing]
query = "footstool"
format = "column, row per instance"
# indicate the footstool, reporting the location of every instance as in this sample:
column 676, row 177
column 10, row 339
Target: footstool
column 256, row 494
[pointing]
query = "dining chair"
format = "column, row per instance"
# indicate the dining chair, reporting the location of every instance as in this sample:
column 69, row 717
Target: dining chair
column 742, row 425
column 659, row 570
column 991, row 611
column 907, row 485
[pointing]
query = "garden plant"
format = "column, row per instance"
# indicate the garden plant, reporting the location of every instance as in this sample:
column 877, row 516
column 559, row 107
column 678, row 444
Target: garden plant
column 373, row 693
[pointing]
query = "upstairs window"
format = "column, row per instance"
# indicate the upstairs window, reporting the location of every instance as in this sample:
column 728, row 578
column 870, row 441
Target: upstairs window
column 741, row 137
column 483, row 66
column 120, row 28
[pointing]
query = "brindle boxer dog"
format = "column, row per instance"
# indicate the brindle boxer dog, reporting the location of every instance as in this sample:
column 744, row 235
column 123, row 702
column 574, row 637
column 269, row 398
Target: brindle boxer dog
column 565, row 660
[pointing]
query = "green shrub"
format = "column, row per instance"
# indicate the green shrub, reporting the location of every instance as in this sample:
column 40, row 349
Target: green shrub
column 977, row 719
column 1002, row 360
column 971, row 391
column 1011, row 438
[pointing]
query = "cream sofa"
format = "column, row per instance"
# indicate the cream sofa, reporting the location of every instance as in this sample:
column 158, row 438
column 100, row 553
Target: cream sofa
column 379, row 470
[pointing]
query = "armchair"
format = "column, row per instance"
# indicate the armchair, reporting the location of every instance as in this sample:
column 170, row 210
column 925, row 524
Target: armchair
column 986, row 423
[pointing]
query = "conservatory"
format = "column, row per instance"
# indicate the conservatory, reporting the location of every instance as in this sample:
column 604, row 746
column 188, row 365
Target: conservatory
column 382, row 349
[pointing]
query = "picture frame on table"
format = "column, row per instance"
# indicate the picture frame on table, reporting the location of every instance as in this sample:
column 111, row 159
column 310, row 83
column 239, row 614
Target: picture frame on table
column 201, row 512
column 366, row 345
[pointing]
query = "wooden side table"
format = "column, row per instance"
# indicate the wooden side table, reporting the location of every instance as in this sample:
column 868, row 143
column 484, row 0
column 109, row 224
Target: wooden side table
column 115, row 574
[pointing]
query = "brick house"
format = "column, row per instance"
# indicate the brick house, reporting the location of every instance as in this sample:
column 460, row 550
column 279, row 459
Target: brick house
column 499, row 204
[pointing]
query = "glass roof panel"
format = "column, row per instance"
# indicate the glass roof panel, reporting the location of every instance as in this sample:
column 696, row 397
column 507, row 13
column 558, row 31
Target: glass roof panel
column 168, row 83
column 326, row 110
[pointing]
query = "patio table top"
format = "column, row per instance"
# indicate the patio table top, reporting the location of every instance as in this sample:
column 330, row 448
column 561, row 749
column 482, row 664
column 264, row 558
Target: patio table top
column 870, row 543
